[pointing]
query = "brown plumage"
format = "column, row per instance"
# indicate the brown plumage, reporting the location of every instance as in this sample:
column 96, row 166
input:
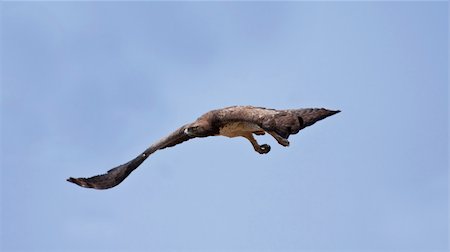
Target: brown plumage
column 233, row 121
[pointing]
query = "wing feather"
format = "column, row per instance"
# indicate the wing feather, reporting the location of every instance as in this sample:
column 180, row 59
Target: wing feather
column 117, row 174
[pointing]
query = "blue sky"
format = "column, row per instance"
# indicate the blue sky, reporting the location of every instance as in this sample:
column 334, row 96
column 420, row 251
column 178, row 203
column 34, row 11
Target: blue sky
column 87, row 86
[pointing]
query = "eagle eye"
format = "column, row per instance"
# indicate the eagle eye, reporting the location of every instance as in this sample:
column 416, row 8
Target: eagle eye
column 192, row 130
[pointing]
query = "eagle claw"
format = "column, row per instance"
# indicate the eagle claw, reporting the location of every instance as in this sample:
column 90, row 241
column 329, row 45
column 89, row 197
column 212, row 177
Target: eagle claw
column 263, row 149
column 283, row 142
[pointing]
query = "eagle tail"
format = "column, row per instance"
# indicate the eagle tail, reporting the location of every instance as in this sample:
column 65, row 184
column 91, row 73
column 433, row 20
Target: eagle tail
column 312, row 115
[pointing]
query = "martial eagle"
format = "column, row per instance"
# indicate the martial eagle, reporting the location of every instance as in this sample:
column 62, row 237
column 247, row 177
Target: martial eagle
column 233, row 121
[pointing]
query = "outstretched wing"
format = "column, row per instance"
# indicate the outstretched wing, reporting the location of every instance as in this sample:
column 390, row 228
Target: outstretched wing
column 116, row 175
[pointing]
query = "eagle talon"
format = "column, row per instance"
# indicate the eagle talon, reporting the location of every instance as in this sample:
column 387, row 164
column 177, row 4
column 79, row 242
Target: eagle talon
column 284, row 142
column 281, row 140
column 264, row 149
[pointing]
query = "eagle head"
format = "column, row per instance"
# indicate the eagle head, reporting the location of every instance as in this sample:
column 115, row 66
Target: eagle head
column 198, row 129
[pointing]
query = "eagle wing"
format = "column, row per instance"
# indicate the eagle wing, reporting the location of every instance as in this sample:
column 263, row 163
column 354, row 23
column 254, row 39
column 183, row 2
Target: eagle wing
column 117, row 174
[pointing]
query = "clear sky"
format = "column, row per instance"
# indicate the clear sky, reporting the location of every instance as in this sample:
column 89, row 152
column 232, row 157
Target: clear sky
column 88, row 86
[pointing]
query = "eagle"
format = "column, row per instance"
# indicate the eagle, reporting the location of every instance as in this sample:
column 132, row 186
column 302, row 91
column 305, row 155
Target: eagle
column 235, row 121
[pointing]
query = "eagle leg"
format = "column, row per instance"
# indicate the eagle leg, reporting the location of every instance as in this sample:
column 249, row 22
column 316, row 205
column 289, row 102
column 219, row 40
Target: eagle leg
column 281, row 140
column 261, row 149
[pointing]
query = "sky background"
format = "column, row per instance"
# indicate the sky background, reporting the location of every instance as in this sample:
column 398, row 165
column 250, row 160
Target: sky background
column 88, row 86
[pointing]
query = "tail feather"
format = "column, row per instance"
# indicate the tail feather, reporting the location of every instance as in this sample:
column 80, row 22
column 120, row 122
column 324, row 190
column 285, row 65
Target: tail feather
column 312, row 115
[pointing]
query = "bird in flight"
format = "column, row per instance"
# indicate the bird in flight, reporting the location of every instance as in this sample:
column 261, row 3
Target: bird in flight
column 243, row 121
